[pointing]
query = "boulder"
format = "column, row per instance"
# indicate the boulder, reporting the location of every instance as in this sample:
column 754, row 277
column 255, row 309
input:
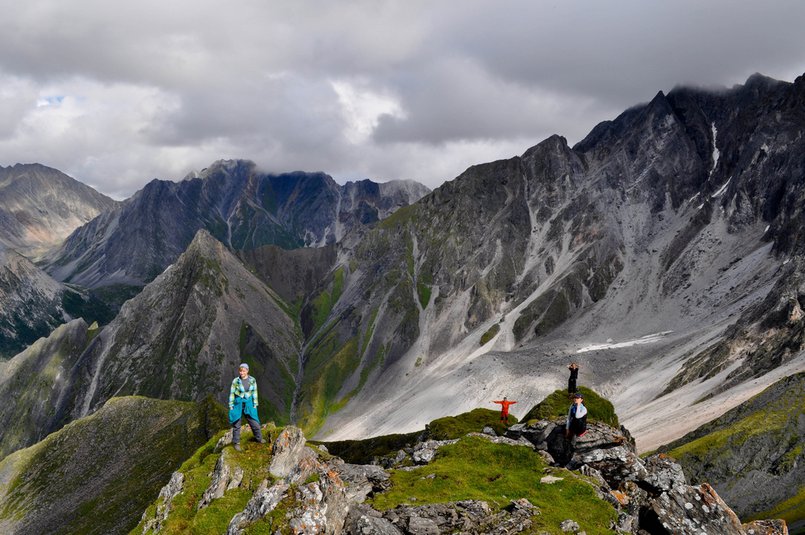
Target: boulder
column 291, row 459
column 362, row 480
column 323, row 506
column 687, row 510
column 363, row 520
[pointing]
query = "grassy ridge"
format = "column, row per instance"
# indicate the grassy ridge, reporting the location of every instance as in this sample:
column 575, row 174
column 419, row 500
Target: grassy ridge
column 556, row 405
column 447, row 428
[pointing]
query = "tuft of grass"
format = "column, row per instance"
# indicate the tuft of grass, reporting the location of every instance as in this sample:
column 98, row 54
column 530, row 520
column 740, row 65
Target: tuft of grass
column 556, row 405
column 491, row 333
column 423, row 291
column 477, row 469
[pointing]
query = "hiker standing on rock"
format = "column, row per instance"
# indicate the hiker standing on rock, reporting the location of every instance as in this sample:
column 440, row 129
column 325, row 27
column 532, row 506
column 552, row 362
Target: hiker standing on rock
column 243, row 402
column 504, row 408
column 574, row 375
column 576, row 424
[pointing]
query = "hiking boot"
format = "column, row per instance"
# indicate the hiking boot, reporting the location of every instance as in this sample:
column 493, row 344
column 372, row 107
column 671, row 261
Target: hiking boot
column 262, row 441
column 237, row 447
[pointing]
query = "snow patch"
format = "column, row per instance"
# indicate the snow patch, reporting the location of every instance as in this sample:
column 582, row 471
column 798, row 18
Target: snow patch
column 648, row 339
column 716, row 152
column 721, row 189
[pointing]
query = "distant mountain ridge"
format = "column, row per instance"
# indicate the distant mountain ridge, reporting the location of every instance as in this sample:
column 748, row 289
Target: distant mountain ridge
column 41, row 206
column 236, row 203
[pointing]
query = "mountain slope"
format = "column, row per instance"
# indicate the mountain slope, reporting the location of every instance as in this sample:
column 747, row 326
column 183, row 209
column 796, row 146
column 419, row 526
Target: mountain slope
column 33, row 384
column 753, row 454
column 634, row 252
column 30, row 303
column 185, row 334
column 40, row 207
column 98, row 474
column 234, row 202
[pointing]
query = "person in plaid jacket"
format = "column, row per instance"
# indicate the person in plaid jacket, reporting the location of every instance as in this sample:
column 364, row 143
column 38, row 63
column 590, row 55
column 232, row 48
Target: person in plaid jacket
column 243, row 403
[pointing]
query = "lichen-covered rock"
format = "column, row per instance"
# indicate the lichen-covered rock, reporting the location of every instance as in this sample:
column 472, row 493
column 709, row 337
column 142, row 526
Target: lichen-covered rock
column 766, row 527
column 322, row 506
column 663, row 473
column 363, row 520
column 361, row 479
column 224, row 477
column 687, row 510
column 291, row 459
column 263, row 501
column 166, row 496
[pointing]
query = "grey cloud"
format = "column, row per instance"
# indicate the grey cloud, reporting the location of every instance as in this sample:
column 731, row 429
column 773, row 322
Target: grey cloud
column 158, row 89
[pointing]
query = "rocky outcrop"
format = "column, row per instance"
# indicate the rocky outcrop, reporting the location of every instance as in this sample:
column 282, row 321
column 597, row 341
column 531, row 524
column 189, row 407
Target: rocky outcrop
column 224, row 477
column 650, row 494
column 315, row 492
column 468, row 516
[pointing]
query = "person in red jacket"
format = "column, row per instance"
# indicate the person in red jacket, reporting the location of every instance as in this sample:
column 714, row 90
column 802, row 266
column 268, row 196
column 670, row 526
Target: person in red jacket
column 504, row 408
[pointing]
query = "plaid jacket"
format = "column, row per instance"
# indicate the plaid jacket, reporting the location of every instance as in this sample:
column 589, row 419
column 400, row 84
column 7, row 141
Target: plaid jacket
column 237, row 390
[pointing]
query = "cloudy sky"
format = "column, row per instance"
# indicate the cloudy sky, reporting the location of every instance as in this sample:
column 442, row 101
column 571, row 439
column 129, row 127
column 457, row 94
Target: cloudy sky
column 118, row 93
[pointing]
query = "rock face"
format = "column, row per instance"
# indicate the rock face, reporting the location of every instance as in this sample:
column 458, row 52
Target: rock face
column 235, row 203
column 40, row 207
column 752, row 455
column 98, row 474
column 30, row 303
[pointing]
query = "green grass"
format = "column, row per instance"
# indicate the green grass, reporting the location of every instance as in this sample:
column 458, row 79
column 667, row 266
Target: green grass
column 451, row 427
column 400, row 217
column 447, row 428
column 556, row 405
column 491, row 333
column 758, row 423
column 477, row 469
column 423, row 291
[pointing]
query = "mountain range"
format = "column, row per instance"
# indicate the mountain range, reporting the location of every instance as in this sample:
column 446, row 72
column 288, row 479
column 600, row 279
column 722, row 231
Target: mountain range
column 663, row 252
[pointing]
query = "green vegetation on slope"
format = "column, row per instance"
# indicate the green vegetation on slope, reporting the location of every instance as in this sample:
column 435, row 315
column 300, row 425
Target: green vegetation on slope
column 97, row 474
column 447, row 428
column 474, row 421
column 753, row 454
column 185, row 517
column 556, row 405
column 490, row 333
column 477, row 469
